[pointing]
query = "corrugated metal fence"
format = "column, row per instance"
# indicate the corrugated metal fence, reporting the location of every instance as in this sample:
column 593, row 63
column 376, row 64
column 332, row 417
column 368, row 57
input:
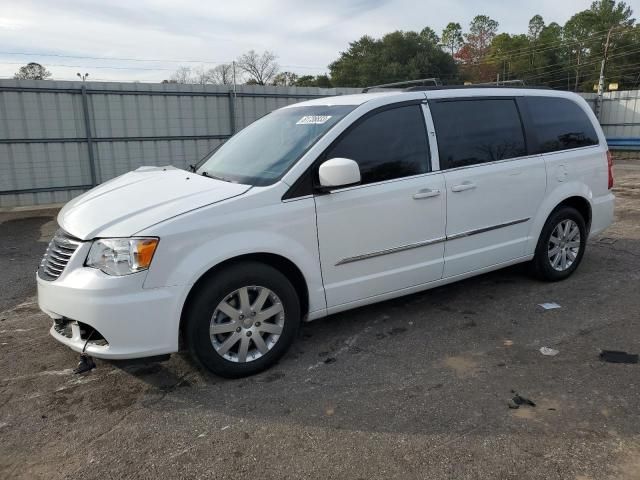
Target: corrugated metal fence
column 58, row 139
column 620, row 118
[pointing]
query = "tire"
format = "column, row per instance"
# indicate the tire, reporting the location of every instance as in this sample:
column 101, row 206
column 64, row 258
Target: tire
column 554, row 265
column 221, row 319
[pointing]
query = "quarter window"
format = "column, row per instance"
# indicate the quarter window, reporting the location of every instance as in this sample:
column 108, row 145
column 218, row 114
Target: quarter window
column 559, row 124
column 386, row 145
column 474, row 131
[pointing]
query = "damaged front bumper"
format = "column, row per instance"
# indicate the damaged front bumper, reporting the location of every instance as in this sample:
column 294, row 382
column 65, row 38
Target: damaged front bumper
column 114, row 317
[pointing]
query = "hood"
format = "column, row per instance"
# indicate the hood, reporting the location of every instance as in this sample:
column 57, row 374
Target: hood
column 136, row 200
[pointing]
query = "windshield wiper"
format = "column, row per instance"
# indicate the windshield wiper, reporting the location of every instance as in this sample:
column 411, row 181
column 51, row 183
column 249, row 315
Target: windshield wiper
column 215, row 177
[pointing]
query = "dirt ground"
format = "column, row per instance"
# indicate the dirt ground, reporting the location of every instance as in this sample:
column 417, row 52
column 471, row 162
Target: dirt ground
column 411, row 388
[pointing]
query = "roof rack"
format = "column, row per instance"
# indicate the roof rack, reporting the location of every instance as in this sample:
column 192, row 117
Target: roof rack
column 505, row 84
column 422, row 81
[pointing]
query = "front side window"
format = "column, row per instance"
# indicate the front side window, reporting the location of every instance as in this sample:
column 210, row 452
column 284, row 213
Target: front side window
column 262, row 152
column 386, row 145
column 559, row 124
column 471, row 131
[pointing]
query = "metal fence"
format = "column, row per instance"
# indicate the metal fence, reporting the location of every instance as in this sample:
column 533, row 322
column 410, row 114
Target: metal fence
column 619, row 118
column 58, row 139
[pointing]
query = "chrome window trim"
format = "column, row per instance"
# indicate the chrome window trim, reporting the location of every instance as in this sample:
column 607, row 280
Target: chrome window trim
column 383, row 182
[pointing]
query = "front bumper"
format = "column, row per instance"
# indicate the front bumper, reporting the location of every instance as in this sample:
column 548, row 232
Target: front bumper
column 134, row 321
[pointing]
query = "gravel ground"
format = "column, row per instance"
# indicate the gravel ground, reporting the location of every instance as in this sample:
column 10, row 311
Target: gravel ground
column 411, row 388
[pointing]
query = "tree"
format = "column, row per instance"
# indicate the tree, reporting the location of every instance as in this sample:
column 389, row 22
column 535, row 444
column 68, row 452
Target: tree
column 585, row 35
column 181, row 75
column 260, row 68
column 482, row 30
column 322, row 81
column 32, row 71
column 576, row 36
column 509, row 55
column 452, row 37
column 549, row 58
column 199, row 76
column 285, row 79
column 397, row 56
column 536, row 24
column 221, row 74
column 429, row 35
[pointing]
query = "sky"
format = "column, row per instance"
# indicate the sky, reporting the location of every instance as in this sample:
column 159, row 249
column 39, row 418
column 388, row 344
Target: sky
column 146, row 40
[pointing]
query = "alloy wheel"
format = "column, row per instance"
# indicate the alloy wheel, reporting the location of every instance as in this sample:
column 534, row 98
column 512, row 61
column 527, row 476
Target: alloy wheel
column 564, row 245
column 247, row 324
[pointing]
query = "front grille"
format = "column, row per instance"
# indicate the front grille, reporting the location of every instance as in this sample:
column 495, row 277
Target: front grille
column 57, row 255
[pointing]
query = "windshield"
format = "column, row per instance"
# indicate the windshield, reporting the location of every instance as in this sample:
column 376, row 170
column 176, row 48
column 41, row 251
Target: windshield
column 262, row 152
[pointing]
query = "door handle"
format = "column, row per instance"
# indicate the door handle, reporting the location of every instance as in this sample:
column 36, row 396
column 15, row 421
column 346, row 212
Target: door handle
column 463, row 186
column 426, row 193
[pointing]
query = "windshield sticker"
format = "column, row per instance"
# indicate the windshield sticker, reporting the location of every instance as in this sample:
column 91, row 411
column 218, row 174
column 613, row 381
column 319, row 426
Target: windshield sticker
column 313, row 120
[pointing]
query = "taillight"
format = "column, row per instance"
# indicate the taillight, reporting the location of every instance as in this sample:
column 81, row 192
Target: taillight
column 610, row 168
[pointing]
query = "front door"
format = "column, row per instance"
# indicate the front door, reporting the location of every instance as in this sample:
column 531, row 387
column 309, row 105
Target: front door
column 387, row 233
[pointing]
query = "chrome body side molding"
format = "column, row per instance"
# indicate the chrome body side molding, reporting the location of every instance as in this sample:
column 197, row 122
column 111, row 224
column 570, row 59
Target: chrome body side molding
column 425, row 243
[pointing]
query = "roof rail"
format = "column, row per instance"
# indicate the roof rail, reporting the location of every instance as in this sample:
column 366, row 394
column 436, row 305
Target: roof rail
column 505, row 84
column 422, row 81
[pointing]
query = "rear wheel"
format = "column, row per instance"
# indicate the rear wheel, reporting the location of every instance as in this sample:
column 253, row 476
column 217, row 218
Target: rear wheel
column 242, row 320
column 561, row 245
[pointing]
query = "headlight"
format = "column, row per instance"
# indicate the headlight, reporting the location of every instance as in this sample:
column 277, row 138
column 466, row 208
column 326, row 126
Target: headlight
column 121, row 256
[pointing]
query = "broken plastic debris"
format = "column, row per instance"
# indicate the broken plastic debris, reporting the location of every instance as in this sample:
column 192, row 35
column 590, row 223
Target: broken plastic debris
column 85, row 364
column 551, row 352
column 614, row 356
column 549, row 305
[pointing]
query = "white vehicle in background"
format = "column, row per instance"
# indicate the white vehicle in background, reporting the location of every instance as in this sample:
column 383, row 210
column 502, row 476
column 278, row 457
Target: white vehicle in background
column 321, row 207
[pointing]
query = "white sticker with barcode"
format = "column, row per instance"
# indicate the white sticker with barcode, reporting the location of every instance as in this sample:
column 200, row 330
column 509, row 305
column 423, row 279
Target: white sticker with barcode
column 313, row 119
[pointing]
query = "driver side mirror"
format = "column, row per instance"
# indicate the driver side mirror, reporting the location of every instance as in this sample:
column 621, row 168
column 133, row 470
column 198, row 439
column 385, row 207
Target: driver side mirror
column 338, row 172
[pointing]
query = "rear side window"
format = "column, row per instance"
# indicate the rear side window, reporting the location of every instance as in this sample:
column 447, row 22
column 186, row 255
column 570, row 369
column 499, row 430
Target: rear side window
column 559, row 124
column 386, row 145
column 472, row 131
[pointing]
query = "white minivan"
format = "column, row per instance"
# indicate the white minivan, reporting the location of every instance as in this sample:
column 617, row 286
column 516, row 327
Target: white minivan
column 320, row 207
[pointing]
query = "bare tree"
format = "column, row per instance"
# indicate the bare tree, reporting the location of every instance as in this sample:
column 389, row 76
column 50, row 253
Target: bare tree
column 222, row 74
column 182, row 75
column 32, row 71
column 260, row 68
column 200, row 76
column 285, row 79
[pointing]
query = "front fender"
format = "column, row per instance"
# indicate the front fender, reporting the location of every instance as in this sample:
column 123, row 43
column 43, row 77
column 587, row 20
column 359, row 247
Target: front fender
column 190, row 245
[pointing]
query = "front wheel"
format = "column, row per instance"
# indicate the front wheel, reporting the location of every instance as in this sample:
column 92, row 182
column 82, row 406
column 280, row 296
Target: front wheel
column 242, row 320
column 561, row 245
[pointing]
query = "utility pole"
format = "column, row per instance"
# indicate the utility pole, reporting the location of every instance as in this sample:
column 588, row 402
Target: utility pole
column 601, row 79
column 233, row 68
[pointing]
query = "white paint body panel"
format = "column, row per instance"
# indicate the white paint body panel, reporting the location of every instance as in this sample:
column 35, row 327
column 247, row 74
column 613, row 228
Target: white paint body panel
column 371, row 219
column 203, row 222
column 502, row 192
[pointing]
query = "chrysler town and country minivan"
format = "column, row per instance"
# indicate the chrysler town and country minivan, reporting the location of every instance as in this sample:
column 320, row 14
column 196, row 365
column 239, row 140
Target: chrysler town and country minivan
column 320, row 207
